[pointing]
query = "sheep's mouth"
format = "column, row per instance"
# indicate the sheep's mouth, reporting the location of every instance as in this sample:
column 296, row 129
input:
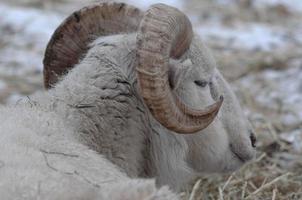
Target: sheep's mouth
column 239, row 157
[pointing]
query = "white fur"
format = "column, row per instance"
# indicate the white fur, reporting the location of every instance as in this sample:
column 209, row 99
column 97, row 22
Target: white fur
column 92, row 137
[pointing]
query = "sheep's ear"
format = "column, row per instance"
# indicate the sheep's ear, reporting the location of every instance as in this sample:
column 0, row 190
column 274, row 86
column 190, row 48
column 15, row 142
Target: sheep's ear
column 178, row 72
column 70, row 42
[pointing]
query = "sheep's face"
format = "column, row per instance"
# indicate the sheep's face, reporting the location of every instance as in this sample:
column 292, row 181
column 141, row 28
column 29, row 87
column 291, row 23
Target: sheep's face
column 228, row 141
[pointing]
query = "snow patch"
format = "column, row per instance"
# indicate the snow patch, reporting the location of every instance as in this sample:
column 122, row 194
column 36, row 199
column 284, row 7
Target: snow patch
column 248, row 36
column 27, row 32
column 295, row 138
column 293, row 5
column 144, row 4
column 34, row 24
column 2, row 85
column 273, row 88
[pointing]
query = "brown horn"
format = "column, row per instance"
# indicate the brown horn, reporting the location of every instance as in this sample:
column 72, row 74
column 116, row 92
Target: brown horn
column 165, row 31
column 70, row 41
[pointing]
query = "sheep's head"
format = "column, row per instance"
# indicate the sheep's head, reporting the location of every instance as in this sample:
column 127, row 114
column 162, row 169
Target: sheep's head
column 185, row 92
column 177, row 79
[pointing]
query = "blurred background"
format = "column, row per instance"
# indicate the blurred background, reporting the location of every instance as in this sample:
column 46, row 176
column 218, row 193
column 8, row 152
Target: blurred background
column 257, row 45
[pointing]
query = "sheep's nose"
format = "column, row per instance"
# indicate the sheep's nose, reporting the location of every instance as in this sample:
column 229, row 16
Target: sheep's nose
column 253, row 139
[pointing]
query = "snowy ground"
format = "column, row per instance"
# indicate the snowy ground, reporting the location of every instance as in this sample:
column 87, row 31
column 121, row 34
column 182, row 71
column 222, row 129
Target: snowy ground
column 257, row 45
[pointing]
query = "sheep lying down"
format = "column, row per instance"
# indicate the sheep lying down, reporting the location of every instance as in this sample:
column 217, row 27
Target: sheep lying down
column 135, row 109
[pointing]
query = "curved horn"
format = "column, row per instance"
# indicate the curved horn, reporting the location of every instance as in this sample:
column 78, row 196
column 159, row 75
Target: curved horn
column 163, row 33
column 71, row 39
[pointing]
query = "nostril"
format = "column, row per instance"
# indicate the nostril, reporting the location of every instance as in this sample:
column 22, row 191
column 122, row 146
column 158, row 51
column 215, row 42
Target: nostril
column 253, row 139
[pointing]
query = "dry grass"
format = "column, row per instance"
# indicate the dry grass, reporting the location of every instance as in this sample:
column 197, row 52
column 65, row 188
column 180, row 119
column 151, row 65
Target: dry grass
column 267, row 177
column 276, row 173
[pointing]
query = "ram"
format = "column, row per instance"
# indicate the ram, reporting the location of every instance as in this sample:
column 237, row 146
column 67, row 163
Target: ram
column 134, row 104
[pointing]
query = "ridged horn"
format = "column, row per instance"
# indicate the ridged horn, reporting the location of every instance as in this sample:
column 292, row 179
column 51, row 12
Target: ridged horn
column 166, row 32
column 70, row 41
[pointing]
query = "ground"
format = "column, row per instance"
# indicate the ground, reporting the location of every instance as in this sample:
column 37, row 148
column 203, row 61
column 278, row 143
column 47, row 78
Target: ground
column 257, row 44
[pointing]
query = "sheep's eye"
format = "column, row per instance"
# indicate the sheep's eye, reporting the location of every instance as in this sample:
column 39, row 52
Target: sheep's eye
column 201, row 83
